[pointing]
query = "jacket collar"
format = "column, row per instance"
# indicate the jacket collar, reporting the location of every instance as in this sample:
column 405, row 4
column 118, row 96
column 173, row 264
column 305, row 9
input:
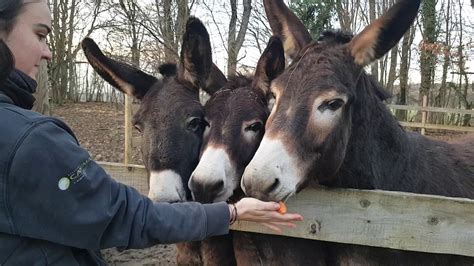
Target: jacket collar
column 4, row 98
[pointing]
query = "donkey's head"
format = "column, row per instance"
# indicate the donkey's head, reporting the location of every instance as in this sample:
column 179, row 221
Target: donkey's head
column 308, row 130
column 170, row 117
column 236, row 116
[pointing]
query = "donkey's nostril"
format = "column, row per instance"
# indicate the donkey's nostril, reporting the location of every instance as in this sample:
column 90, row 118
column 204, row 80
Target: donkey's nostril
column 205, row 192
column 218, row 186
column 275, row 184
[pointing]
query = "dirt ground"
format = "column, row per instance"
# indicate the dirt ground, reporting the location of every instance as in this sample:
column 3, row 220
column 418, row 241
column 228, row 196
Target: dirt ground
column 100, row 129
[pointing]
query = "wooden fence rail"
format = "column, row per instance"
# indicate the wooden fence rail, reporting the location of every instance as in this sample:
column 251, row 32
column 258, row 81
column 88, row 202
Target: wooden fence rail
column 374, row 218
column 424, row 109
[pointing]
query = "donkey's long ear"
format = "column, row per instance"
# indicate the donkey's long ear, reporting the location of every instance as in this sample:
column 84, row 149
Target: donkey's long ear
column 124, row 77
column 285, row 24
column 270, row 65
column 215, row 81
column 382, row 34
column 196, row 56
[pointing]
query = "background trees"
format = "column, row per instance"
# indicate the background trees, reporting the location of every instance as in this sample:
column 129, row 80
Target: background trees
column 435, row 58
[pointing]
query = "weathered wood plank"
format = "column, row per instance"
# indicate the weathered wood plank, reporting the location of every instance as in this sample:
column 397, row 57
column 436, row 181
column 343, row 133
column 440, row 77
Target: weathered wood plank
column 382, row 219
column 433, row 126
column 128, row 130
column 430, row 109
column 366, row 217
column 131, row 174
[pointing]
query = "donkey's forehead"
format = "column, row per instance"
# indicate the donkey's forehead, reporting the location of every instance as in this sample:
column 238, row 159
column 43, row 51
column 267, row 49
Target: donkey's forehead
column 317, row 69
column 170, row 99
column 235, row 100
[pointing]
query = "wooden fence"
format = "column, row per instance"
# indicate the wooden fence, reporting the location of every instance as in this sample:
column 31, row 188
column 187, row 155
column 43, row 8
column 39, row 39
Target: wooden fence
column 394, row 220
column 424, row 111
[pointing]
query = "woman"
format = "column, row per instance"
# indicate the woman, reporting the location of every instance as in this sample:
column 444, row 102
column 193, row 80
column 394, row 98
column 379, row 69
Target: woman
column 40, row 221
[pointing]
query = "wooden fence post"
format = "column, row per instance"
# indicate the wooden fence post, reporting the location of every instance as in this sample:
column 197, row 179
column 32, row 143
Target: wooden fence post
column 128, row 130
column 424, row 115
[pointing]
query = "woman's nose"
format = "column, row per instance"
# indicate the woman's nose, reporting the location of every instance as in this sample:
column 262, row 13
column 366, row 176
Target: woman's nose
column 47, row 55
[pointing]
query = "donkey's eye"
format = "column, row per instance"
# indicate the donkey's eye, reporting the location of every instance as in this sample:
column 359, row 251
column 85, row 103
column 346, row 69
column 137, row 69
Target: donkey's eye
column 332, row 105
column 195, row 124
column 255, row 127
column 138, row 127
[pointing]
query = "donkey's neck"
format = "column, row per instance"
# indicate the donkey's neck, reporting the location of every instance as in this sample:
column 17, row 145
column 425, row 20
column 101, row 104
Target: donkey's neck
column 381, row 155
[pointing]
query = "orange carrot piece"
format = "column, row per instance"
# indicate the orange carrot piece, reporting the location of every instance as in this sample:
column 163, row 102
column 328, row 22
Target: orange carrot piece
column 282, row 208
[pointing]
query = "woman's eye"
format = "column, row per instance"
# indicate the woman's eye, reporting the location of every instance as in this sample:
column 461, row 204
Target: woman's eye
column 41, row 36
column 255, row 127
column 332, row 105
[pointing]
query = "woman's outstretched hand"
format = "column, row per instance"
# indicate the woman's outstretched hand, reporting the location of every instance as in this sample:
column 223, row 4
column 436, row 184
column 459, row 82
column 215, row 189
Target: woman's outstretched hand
column 254, row 210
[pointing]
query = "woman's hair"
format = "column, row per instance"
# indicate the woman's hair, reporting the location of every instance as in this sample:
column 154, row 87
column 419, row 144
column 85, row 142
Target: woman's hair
column 9, row 10
column 6, row 61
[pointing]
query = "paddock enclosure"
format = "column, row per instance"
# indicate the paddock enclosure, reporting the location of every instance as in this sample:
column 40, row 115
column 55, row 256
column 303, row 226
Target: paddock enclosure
column 151, row 45
column 394, row 220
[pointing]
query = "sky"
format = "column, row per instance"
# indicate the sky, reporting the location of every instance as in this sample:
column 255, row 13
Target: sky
column 252, row 54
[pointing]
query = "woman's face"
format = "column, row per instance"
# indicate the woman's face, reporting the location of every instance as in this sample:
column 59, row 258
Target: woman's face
column 27, row 40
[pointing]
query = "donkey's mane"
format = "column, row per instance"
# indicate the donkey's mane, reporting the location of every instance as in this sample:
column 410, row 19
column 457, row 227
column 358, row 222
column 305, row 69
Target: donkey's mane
column 168, row 69
column 382, row 155
column 234, row 82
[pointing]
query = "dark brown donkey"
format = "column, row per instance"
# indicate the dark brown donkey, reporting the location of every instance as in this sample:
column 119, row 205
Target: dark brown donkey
column 329, row 125
column 236, row 116
column 170, row 117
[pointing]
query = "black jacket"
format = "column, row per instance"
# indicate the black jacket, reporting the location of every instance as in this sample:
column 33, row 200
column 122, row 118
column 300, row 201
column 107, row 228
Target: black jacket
column 57, row 206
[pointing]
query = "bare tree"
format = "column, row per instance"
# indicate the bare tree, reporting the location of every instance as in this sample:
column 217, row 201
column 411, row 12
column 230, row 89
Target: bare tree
column 429, row 33
column 42, row 91
column 236, row 39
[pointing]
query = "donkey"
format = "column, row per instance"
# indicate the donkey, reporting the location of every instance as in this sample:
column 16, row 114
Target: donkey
column 236, row 115
column 330, row 126
column 170, row 117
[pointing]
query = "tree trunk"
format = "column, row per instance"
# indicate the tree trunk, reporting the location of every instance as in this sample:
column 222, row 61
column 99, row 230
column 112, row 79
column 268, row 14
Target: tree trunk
column 343, row 16
column 440, row 99
column 404, row 67
column 181, row 19
column 427, row 56
column 392, row 73
column 42, row 91
column 236, row 40
column 167, row 31
column 374, row 69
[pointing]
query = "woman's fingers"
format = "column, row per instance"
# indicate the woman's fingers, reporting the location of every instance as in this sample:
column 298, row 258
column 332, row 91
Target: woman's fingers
column 287, row 217
column 275, row 216
column 250, row 209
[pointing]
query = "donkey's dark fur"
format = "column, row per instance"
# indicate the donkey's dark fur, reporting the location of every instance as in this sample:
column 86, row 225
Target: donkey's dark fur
column 335, row 130
column 236, row 115
column 171, row 119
